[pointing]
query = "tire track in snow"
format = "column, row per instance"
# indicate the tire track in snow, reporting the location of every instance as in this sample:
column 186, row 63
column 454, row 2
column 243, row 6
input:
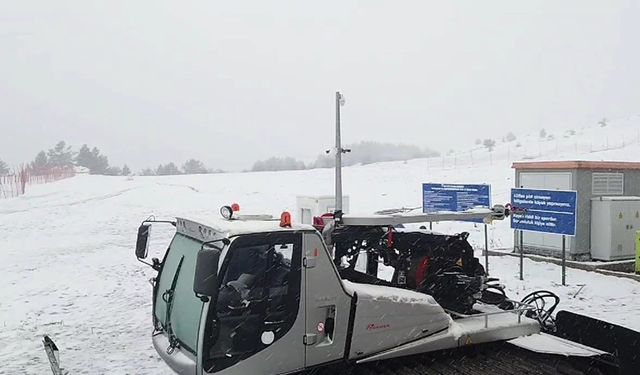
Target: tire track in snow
column 71, row 204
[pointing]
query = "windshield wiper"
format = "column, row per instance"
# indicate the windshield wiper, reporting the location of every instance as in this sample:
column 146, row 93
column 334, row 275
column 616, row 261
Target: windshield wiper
column 167, row 297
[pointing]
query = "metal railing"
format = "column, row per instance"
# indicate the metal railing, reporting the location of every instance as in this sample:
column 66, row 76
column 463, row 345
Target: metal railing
column 519, row 309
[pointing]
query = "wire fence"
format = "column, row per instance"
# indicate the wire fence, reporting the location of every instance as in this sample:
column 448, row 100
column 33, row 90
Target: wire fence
column 581, row 142
column 15, row 184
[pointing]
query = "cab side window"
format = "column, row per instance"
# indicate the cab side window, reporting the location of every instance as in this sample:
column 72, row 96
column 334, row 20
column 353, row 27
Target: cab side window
column 258, row 300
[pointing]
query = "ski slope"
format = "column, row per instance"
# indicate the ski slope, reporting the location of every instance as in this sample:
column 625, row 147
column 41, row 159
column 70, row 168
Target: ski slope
column 67, row 266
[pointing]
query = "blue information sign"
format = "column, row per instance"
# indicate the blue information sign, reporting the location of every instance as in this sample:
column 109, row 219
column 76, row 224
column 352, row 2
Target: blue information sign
column 454, row 197
column 545, row 211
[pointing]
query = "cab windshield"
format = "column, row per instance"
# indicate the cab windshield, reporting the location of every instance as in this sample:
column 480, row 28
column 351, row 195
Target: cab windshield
column 177, row 309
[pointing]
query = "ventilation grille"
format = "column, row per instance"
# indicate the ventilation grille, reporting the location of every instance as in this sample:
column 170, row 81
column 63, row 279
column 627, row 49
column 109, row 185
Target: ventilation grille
column 607, row 184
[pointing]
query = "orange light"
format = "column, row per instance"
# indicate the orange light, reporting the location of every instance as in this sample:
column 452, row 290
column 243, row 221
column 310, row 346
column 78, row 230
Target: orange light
column 285, row 220
column 235, row 207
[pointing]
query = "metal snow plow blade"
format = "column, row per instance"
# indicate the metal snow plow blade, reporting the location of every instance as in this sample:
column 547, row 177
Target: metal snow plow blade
column 548, row 344
column 490, row 325
column 621, row 342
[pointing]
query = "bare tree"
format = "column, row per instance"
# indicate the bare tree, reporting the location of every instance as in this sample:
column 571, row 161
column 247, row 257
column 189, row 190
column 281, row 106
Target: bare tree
column 489, row 144
column 543, row 133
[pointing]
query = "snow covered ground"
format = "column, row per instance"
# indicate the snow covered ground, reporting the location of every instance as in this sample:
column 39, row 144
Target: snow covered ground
column 66, row 249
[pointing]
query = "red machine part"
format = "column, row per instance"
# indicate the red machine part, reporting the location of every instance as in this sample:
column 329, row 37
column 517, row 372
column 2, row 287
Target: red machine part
column 421, row 272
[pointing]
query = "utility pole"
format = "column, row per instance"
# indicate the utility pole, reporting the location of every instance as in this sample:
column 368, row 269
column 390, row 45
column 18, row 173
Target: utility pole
column 339, row 151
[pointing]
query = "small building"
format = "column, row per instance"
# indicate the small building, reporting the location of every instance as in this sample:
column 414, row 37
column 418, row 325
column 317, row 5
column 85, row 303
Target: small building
column 595, row 181
column 310, row 206
column 80, row 170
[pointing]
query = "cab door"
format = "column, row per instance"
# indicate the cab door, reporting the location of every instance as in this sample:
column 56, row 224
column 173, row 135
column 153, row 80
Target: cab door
column 328, row 306
column 256, row 324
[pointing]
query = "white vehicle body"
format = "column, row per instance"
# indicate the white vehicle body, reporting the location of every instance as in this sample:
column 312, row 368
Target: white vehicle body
column 334, row 320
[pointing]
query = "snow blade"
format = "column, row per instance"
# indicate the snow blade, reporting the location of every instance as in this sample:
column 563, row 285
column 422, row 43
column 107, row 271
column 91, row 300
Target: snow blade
column 619, row 341
column 52, row 353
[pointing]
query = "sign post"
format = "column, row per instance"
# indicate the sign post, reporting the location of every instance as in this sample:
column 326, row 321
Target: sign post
column 638, row 252
column 486, row 250
column 544, row 211
column 564, row 260
column 521, row 256
column 458, row 198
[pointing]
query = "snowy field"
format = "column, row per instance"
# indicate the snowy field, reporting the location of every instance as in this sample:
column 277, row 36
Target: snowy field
column 67, row 266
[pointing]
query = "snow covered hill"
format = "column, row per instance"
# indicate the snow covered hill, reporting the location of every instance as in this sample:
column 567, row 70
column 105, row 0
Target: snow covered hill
column 66, row 249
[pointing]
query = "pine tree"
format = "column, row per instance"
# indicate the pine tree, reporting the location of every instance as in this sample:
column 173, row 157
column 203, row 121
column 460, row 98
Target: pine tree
column 60, row 156
column 40, row 163
column 93, row 160
column 125, row 170
column 4, row 168
column 167, row 170
column 113, row 171
column 193, row 166
column 84, row 157
column 99, row 163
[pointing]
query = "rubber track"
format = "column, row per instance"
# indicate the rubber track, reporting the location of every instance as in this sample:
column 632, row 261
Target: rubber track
column 490, row 359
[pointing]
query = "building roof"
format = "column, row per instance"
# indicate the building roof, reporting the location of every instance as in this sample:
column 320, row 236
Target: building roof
column 576, row 164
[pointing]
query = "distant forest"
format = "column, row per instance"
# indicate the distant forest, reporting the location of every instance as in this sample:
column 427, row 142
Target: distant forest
column 361, row 153
column 63, row 155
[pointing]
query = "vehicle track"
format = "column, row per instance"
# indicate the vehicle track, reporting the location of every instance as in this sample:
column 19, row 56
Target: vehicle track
column 490, row 359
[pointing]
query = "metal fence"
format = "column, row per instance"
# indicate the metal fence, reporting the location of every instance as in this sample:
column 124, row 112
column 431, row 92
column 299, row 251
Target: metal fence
column 15, row 184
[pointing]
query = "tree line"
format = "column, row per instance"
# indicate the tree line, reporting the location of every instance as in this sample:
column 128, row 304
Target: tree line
column 191, row 166
column 361, row 153
column 63, row 156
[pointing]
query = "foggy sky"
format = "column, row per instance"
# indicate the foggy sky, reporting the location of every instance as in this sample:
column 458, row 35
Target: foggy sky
column 231, row 82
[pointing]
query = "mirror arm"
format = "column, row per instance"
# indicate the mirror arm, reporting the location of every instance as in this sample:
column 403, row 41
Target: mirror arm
column 147, row 263
column 153, row 220
column 225, row 241
column 155, row 263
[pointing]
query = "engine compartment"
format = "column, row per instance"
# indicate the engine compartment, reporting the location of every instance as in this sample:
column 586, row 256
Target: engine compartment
column 440, row 265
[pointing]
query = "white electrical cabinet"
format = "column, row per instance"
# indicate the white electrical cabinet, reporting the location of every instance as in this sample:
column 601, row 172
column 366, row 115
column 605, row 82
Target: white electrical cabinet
column 614, row 222
column 308, row 207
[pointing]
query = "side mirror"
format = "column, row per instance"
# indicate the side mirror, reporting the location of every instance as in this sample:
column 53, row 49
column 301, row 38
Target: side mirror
column 142, row 243
column 205, row 279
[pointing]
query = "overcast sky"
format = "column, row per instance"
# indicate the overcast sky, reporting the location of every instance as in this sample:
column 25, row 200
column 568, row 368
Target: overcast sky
column 229, row 82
